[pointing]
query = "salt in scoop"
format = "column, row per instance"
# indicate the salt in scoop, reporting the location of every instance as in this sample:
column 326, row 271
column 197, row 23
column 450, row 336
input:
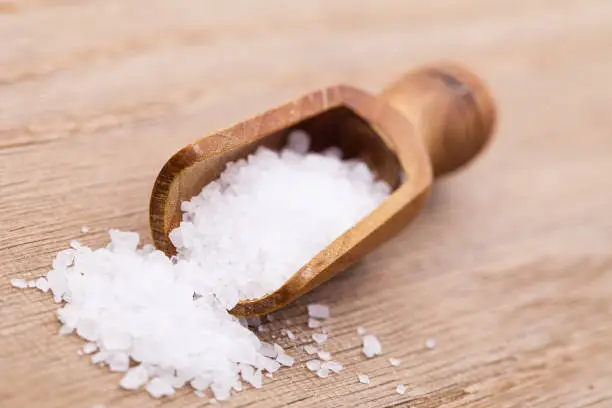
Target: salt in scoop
column 428, row 123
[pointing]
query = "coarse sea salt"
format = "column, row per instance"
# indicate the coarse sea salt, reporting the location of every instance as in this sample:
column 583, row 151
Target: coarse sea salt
column 165, row 322
column 364, row 379
column 400, row 389
column 371, row 346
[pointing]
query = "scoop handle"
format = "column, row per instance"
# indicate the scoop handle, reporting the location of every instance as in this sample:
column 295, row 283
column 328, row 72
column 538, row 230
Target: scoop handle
column 451, row 110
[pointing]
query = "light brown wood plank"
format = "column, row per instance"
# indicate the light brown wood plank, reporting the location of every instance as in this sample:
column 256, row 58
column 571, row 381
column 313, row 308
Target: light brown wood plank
column 509, row 267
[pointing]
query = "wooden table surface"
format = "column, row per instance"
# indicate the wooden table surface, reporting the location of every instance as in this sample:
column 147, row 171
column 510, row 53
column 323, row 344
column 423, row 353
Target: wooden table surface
column 509, row 267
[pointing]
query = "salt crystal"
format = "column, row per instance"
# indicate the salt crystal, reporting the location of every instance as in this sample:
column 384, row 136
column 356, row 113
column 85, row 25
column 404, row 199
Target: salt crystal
column 334, row 366
column 118, row 362
column 32, row 284
column 268, row 350
column 84, row 229
column 430, row 343
column 394, row 362
column 319, row 338
column 400, row 389
column 199, row 394
column 285, row 360
column 361, row 331
column 65, row 329
column 313, row 365
column 323, row 372
column 269, row 375
column 364, row 379
column 100, row 357
column 158, row 388
column 135, row 378
column 19, row 283
column 42, row 284
column 371, row 346
column 318, row 311
column 290, row 334
column 324, row 330
column 310, row 349
column 89, row 348
column 262, row 329
column 298, row 141
column 324, row 355
column 279, row 349
column 314, row 323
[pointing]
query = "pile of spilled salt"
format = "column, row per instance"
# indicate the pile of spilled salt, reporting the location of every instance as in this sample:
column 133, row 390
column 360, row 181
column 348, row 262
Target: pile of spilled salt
column 164, row 322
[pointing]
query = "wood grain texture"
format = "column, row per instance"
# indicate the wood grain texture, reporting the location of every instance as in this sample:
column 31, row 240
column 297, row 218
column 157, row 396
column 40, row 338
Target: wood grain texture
column 509, row 266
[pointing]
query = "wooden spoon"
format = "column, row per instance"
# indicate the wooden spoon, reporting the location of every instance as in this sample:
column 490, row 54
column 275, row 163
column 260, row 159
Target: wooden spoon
column 428, row 123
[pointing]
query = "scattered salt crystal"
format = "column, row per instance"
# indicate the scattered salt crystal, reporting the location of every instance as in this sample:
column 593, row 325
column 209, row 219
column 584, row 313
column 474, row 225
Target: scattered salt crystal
column 100, row 357
column 400, row 389
column 268, row 350
column 42, row 284
column 313, row 365
column 279, row 349
column 364, row 379
column 394, row 362
column 314, row 323
column 269, row 375
column 32, row 284
column 371, row 346
column 323, row 372
column 19, row 283
column 158, row 388
column 135, row 378
column 118, row 362
column 318, row 311
column 285, row 360
column 430, row 343
column 324, row 355
column 254, row 378
column 334, row 366
column 319, row 338
column 65, row 329
column 271, row 366
column 84, row 229
column 199, row 394
column 290, row 334
column 310, row 349
column 361, row 331
column 89, row 348
column 298, row 141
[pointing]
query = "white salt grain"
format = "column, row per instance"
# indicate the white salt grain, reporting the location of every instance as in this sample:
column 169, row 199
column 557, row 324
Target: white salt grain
column 394, row 362
column 135, row 378
column 290, row 334
column 324, row 355
column 371, row 346
column 32, row 284
column 19, row 283
column 42, row 284
column 334, row 366
column 65, row 329
column 364, row 379
column 323, row 372
column 158, row 388
column 310, row 349
column 268, row 350
column 313, row 365
column 84, row 229
column 285, row 360
column 430, row 343
column 319, row 338
column 199, row 394
column 118, row 362
column 400, row 389
column 318, row 311
column 361, row 331
column 314, row 323
column 89, row 348
column 269, row 375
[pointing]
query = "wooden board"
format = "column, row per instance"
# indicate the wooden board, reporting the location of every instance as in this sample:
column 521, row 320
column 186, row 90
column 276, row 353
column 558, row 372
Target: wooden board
column 509, row 267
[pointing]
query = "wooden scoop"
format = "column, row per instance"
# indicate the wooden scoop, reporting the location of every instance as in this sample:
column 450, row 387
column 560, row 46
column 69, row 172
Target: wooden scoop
column 428, row 123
